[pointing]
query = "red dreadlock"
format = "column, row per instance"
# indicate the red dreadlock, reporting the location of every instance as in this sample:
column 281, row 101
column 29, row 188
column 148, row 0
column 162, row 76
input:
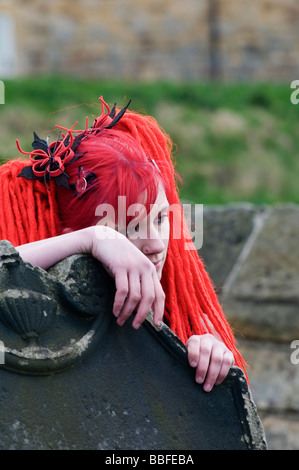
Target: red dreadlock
column 28, row 211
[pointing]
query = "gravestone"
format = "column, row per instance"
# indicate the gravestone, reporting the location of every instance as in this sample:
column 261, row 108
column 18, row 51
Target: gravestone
column 73, row 379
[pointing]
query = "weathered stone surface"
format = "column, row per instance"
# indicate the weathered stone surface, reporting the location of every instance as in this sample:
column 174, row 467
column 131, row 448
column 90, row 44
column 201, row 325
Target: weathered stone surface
column 262, row 295
column 277, row 321
column 274, row 377
column 282, row 430
column 46, row 318
column 260, row 298
column 271, row 269
column 126, row 396
column 81, row 280
column 82, row 382
column 225, row 231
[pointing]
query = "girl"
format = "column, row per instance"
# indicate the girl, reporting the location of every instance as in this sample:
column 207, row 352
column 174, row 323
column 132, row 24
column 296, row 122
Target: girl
column 108, row 191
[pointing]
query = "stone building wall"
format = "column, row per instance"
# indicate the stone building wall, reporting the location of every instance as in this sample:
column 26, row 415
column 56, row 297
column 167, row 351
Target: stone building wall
column 252, row 255
column 150, row 39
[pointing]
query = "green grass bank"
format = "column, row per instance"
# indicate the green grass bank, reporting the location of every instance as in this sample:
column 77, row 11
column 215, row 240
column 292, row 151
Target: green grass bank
column 234, row 142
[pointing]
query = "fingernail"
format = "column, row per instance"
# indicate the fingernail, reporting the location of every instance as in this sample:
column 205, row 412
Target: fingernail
column 207, row 387
column 136, row 325
column 199, row 380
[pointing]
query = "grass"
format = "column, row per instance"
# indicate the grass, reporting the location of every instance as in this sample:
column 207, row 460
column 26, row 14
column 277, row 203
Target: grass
column 235, row 142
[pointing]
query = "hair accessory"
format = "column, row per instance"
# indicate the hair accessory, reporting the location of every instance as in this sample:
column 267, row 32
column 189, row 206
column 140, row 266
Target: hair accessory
column 49, row 161
column 154, row 163
column 108, row 120
column 81, row 184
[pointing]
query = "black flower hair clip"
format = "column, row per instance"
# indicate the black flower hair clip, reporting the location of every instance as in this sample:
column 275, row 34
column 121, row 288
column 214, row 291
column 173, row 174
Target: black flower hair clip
column 108, row 119
column 49, row 161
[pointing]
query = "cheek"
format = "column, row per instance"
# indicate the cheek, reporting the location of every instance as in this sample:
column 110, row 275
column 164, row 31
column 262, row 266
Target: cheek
column 135, row 242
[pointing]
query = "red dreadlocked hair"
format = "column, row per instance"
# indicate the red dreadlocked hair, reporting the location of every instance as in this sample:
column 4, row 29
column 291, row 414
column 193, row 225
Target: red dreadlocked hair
column 192, row 306
column 114, row 165
column 30, row 212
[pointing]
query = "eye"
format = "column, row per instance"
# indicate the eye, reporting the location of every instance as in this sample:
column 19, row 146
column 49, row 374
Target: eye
column 131, row 230
column 162, row 216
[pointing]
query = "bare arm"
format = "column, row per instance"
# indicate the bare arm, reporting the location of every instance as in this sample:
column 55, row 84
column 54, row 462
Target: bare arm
column 137, row 285
column 137, row 288
column 46, row 253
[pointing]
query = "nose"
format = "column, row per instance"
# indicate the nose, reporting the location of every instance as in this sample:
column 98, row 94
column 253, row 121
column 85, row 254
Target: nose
column 152, row 244
column 152, row 247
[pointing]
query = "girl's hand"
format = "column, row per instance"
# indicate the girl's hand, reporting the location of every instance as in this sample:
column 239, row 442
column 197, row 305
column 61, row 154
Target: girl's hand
column 211, row 358
column 137, row 284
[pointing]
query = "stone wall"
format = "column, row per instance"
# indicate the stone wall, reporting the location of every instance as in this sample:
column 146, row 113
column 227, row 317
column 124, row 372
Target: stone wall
column 252, row 255
column 150, row 40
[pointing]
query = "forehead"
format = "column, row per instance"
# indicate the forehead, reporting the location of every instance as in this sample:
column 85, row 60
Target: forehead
column 139, row 212
column 161, row 201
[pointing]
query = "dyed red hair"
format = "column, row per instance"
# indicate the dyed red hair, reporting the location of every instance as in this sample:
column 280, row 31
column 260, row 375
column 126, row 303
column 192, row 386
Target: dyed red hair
column 29, row 212
column 192, row 306
column 118, row 166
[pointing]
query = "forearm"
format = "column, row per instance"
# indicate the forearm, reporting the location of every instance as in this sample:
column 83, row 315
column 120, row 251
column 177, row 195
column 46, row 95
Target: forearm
column 136, row 281
column 46, row 253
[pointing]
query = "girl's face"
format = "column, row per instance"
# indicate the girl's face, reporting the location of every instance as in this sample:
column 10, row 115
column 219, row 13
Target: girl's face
column 150, row 233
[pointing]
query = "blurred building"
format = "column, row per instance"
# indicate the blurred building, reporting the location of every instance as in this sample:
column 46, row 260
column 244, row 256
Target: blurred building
column 151, row 39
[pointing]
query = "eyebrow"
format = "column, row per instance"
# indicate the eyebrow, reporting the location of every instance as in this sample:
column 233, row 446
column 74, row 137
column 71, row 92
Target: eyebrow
column 159, row 208
column 164, row 208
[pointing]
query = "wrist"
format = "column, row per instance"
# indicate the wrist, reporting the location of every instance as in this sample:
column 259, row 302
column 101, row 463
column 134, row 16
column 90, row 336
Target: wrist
column 101, row 233
column 83, row 240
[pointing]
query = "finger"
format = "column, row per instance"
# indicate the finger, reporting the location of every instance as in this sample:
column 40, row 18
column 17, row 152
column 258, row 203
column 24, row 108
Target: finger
column 216, row 361
column 133, row 298
column 122, row 288
column 228, row 361
column 159, row 302
column 193, row 350
column 205, row 347
column 147, row 299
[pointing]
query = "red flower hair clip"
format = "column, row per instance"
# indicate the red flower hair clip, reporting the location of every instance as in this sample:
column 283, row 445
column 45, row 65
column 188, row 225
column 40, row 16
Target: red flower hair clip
column 107, row 120
column 50, row 161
